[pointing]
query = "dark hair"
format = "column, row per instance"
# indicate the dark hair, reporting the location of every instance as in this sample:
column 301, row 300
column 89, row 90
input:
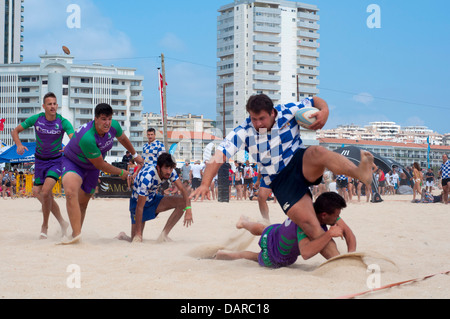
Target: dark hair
column 165, row 159
column 328, row 202
column 103, row 109
column 49, row 94
column 151, row 130
column 258, row 103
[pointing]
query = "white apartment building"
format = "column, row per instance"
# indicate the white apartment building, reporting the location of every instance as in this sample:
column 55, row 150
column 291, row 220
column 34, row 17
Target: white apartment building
column 265, row 46
column 181, row 122
column 11, row 37
column 78, row 88
column 384, row 131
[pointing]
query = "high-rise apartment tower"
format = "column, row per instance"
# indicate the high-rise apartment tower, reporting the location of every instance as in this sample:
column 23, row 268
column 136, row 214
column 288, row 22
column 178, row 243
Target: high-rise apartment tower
column 11, row 31
column 265, row 46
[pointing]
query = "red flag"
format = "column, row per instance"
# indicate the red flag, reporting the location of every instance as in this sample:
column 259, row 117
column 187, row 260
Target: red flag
column 2, row 124
column 161, row 95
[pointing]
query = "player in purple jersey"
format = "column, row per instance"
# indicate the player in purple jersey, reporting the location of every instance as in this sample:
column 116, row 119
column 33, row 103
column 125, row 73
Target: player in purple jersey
column 49, row 128
column 84, row 158
column 281, row 244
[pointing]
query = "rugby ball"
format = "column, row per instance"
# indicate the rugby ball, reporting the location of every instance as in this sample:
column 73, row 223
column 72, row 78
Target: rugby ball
column 304, row 118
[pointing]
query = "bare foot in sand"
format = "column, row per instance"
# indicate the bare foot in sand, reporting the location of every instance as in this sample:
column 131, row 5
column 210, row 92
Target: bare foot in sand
column 123, row 236
column 163, row 238
column 241, row 222
column 365, row 167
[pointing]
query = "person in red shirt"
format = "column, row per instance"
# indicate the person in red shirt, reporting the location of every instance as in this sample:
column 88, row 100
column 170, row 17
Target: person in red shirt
column 381, row 181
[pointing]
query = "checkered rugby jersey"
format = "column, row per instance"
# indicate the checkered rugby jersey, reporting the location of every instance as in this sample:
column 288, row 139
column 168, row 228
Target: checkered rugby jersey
column 150, row 152
column 273, row 150
column 147, row 182
column 445, row 169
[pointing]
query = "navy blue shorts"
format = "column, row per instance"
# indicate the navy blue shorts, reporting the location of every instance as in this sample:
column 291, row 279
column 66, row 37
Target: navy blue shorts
column 149, row 212
column 290, row 185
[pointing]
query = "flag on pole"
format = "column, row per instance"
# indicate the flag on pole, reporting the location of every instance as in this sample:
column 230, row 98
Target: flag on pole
column 161, row 92
column 2, row 124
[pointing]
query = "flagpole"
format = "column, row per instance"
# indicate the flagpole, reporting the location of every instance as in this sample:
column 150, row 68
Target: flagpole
column 164, row 102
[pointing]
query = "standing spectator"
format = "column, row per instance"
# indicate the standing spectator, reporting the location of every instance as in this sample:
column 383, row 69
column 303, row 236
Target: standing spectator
column 186, row 172
column 388, row 185
column 444, row 173
column 196, row 174
column 248, row 178
column 127, row 157
column 341, row 184
column 394, row 179
column 152, row 149
column 238, row 180
column 417, row 175
column 429, row 180
column 381, row 181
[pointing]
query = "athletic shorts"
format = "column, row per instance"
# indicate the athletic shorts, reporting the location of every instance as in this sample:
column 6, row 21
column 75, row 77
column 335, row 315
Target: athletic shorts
column 248, row 181
column 290, row 185
column 89, row 176
column 43, row 169
column 263, row 184
column 149, row 212
column 445, row 181
column 429, row 183
column 237, row 183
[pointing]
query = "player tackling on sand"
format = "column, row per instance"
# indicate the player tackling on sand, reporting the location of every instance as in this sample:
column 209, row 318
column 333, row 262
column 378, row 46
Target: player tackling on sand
column 281, row 244
column 271, row 136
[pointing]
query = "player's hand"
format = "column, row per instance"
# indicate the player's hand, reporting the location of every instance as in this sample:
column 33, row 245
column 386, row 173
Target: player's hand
column 202, row 191
column 125, row 175
column 321, row 119
column 336, row 231
column 139, row 160
column 188, row 219
column 21, row 149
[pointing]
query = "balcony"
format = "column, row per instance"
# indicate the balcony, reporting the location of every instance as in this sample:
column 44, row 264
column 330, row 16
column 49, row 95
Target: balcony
column 309, row 16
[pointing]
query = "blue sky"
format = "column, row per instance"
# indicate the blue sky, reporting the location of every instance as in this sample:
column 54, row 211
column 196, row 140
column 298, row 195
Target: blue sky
column 399, row 72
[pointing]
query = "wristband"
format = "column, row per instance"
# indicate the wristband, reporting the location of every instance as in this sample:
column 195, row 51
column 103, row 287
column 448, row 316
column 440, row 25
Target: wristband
column 121, row 174
column 135, row 155
column 185, row 209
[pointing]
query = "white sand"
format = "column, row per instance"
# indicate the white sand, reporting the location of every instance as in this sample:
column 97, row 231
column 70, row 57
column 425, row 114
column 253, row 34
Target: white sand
column 415, row 237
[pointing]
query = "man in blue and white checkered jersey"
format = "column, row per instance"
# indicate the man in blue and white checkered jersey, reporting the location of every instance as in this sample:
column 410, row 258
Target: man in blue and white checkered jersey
column 146, row 203
column 444, row 172
column 271, row 136
column 153, row 148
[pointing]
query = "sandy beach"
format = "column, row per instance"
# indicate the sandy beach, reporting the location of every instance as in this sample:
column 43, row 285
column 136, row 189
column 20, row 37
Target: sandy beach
column 403, row 239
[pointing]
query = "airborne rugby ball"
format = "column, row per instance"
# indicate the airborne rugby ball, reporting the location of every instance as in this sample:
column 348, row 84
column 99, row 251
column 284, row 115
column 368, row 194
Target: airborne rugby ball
column 304, row 118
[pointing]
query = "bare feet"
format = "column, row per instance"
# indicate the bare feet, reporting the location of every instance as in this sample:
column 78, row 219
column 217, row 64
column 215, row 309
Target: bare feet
column 241, row 222
column 123, row 236
column 163, row 238
column 365, row 167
